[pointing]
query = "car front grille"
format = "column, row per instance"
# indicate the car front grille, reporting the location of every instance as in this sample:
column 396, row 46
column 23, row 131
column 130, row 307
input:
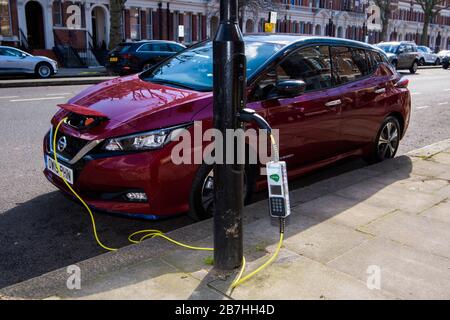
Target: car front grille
column 73, row 145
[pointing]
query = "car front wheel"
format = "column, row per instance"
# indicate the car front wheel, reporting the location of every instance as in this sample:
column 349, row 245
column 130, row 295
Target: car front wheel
column 437, row 62
column 201, row 202
column 43, row 70
column 414, row 67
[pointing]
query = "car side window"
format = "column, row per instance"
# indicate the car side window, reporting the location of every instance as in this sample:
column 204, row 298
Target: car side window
column 311, row 65
column 175, row 48
column 10, row 52
column 145, row 48
column 159, row 47
column 348, row 64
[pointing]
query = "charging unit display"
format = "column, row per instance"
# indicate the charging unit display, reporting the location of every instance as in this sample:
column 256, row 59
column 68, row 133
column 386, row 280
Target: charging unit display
column 277, row 186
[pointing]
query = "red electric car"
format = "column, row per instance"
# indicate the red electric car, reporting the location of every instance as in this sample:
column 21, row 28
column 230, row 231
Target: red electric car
column 344, row 99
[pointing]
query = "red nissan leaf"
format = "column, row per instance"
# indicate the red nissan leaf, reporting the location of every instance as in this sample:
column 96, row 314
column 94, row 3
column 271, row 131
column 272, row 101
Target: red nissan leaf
column 344, row 99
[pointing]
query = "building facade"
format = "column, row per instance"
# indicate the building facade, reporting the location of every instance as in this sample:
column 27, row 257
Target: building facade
column 83, row 25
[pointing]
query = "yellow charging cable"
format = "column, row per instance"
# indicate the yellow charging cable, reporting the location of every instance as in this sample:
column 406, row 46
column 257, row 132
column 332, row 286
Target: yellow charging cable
column 152, row 233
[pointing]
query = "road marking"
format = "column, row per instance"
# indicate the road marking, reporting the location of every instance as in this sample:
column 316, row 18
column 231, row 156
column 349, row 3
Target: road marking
column 58, row 94
column 446, row 89
column 416, row 93
column 423, row 107
column 9, row 97
column 37, row 99
column 442, row 103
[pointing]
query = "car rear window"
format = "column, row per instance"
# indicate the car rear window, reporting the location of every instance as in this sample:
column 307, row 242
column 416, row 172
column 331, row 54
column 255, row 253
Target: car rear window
column 348, row 64
column 122, row 48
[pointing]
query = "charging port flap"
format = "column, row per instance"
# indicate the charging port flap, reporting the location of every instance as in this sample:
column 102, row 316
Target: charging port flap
column 81, row 110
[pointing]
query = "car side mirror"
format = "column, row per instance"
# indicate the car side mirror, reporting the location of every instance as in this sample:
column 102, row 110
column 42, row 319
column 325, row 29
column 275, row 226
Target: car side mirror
column 23, row 56
column 401, row 50
column 289, row 88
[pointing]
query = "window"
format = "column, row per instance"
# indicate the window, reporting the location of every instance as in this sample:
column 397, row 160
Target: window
column 311, row 65
column 349, row 64
column 10, row 52
column 175, row 48
column 193, row 67
column 154, row 47
column 135, row 24
column 374, row 59
column 5, row 19
column 57, row 13
column 149, row 19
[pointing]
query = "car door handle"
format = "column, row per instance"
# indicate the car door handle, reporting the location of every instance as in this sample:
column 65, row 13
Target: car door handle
column 333, row 103
column 380, row 90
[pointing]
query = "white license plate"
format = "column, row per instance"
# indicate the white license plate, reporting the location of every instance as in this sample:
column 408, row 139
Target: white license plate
column 67, row 172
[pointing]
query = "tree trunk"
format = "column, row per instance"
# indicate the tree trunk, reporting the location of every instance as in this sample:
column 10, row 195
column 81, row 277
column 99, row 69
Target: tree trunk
column 384, row 30
column 115, row 35
column 424, row 38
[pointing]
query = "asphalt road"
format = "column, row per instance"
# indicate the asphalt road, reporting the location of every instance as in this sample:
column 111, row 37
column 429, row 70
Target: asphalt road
column 40, row 230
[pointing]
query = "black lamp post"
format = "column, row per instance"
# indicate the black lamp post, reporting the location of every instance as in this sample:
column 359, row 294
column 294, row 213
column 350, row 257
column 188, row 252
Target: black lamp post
column 229, row 97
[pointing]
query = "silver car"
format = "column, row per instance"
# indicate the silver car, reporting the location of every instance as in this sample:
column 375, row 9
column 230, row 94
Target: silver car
column 427, row 56
column 15, row 61
column 402, row 55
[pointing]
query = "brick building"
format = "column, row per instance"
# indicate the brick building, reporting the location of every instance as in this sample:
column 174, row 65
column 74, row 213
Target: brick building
column 82, row 26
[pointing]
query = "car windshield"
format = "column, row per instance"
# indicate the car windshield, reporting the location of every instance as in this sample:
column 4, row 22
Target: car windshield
column 389, row 48
column 193, row 68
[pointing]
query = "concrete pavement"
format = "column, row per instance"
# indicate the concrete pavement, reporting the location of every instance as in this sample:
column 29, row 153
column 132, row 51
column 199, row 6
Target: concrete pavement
column 380, row 232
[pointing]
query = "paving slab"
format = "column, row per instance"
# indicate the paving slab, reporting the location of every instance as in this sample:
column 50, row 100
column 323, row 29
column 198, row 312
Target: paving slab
column 418, row 231
column 406, row 273
column 308, row 279
column 440, row 212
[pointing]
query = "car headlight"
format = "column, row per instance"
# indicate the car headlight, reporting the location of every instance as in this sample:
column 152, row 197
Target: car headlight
column 143, row 141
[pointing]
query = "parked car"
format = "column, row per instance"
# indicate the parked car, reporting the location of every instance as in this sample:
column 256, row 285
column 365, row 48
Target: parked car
column 14, row 61
column 428, row 57
column 444, row 55
column 402, row 55
column 329, row 98
column 446, row 62
column 133, row 57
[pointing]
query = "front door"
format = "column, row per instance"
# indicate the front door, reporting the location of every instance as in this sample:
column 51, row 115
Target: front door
column 308, row 128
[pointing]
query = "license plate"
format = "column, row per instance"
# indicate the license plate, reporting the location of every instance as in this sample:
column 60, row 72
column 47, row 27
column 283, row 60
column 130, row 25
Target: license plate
column 113, row 59
column 67, row 172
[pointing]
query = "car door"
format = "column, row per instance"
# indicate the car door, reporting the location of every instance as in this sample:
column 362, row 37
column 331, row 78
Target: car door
column 308, row 128
column 13, row 60
column 364, row 90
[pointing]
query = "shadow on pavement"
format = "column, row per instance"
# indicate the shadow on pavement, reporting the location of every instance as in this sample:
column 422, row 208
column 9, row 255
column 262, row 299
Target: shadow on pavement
column 50, row 232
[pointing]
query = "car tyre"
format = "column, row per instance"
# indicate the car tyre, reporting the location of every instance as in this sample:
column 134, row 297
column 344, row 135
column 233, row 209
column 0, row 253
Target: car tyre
column 386, row 142
column 437, row 62
column 422, row 62
column 43, row 70
column 414, row 67
column 446, row 64
column 395, row 64
column 201, row 205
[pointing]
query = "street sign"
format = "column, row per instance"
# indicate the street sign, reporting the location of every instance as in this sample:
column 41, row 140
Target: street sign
column 273, row 17
column 269, row 27
column 180, row 31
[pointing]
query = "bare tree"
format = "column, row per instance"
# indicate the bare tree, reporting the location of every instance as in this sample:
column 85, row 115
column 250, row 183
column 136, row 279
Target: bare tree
column 431, row 9
column 386, row 11
column 115, row 34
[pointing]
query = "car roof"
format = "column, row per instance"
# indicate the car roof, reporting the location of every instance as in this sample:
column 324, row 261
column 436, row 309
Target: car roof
column 396, row 43
column 295, row 39
column 149, row 41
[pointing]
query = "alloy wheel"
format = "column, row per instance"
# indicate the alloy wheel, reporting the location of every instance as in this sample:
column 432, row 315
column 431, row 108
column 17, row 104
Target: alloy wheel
column 388, row 141
column 44, row 71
